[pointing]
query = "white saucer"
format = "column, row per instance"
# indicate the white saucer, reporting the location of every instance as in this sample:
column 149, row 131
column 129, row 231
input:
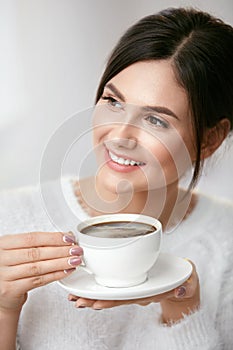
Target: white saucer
column 168, row 272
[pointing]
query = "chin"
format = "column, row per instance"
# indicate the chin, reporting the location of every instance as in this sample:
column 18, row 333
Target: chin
column 119, row 186
column 114, row 184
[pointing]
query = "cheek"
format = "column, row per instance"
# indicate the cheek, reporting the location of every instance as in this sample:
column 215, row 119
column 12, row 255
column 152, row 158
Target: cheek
column 102, row 115
column 98, row 133
column 163, row 162
column 173, row 157
column 95, row 137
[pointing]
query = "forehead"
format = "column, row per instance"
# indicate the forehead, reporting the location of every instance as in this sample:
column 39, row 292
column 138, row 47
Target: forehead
column 152, row 83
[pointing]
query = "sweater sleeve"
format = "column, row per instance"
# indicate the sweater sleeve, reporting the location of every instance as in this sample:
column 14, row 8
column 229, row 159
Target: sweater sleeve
column 196, row 331
column 225, row 311
column 201, row 330
column 204, row 329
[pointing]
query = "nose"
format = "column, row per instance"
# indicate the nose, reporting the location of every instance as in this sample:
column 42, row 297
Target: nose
column 123, row 136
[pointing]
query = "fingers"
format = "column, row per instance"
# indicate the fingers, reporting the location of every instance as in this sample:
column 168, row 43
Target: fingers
column 92, row 303
column 39, row 268
column 31, row 260
column 189, row 287
column 81, row 302
column 23, row 259
column 35, row 239
column 40, row 255
column 26, row 255
column 106, row 304
column 12, row 289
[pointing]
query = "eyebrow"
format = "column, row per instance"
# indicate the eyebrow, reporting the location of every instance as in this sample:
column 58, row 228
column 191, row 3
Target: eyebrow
column 113, row 88
column 156, row 109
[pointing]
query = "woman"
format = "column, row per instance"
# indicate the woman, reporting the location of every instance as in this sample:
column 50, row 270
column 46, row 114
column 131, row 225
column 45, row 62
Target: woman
column 164, row 103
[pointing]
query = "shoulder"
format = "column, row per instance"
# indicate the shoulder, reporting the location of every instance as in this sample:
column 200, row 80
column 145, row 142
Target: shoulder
column 49, row 206
column 215, row 216
column 36, row 208
column 18, row 197
column 20, row 209
column 214, row 205
column 210, row 220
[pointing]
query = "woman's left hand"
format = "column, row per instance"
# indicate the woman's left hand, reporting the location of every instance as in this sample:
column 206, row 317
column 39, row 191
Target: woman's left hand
column 176, row 303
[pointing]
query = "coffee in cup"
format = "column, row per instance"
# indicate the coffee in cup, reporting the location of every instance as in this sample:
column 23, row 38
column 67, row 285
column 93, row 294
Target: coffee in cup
column 118, row 229
column 119, row 249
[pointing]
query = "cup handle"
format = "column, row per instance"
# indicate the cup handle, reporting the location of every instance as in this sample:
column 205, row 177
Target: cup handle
column 84, row 267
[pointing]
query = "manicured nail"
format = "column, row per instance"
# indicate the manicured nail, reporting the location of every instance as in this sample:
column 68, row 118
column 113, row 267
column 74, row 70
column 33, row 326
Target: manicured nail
column 180, row 292
column 68, row 239
column 74, row 261
column 67, row 271
column 76, row 251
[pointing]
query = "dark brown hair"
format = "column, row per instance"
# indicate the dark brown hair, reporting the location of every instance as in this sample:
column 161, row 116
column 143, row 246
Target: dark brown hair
column 201, row 49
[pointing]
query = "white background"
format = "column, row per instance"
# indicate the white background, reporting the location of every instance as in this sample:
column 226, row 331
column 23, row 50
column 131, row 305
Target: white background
column 52, row 55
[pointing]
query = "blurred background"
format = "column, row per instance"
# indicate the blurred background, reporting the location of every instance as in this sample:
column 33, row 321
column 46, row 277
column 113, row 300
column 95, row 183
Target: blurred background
column 52, row 55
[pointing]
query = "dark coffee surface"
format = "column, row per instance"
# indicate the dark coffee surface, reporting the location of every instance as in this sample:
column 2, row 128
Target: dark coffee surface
column 120, row 229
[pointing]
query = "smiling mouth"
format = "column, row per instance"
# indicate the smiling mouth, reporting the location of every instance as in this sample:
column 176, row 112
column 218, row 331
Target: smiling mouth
column 124, row 161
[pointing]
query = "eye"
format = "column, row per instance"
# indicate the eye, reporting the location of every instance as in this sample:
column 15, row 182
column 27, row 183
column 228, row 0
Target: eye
column 112, row 102
column 155, row 121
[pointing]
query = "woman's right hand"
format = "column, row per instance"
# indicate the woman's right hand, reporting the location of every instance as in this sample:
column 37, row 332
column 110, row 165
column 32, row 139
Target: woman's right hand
column 31, row 260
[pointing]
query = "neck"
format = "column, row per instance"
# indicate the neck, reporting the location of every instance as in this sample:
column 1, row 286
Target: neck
column 169, row 204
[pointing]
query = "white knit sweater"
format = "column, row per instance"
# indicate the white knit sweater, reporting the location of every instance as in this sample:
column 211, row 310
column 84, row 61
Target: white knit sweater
column 49, row 321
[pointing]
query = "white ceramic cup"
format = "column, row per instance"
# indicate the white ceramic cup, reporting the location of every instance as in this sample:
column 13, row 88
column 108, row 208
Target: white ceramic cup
column 120, row 262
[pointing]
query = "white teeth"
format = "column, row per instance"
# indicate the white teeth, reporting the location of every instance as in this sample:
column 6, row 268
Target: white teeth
column 113, row 156
column 123, row 161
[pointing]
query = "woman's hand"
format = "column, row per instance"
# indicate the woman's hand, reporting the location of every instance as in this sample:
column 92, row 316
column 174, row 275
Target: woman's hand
column 175, row 304
column 31, row 260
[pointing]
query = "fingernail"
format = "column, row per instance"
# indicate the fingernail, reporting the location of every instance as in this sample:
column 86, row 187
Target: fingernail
column 74, row 261
column 76, row 251
column 66, row 271
column 68, row 239
column 180, row 292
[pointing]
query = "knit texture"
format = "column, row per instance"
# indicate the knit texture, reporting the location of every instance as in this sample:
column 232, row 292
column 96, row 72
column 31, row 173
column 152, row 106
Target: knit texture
column 49, row 321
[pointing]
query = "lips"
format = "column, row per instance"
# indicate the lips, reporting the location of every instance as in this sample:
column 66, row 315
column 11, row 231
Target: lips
column 121, row 163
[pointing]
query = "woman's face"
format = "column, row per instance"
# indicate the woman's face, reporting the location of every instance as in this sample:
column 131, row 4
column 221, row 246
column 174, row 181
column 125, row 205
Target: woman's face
column 142, row 129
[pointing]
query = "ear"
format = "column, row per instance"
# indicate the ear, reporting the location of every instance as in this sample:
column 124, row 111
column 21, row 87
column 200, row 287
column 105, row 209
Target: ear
column 214, row 137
